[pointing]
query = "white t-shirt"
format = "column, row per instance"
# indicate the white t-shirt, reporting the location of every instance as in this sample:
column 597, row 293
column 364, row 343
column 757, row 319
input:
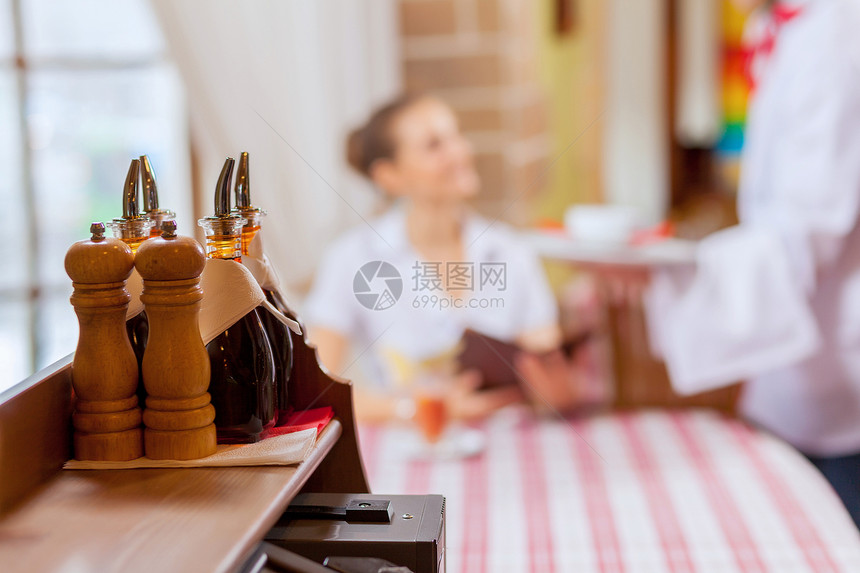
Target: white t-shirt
column 395, row 311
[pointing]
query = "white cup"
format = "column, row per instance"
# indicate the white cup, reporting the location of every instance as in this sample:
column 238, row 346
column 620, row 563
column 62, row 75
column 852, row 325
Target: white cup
column 612, row 224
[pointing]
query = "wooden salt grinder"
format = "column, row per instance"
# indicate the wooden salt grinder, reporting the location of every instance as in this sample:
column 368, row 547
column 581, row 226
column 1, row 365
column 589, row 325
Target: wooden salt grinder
column 104, row 370
column 178, row 416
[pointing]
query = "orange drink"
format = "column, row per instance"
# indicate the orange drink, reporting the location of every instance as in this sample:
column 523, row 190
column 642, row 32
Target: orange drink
column 431, row 416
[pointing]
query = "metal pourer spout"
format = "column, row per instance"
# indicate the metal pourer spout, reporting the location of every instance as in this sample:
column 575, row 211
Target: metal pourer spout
column 132, row 228
column 130, row 208
column 243, row 183
column 224, row 229
column 150, row 197
column 150, row 189
column 244, row 208
column 222, row 189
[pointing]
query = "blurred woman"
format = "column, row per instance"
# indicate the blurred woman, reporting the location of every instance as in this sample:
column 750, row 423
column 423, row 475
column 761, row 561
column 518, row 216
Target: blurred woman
column 455, row 271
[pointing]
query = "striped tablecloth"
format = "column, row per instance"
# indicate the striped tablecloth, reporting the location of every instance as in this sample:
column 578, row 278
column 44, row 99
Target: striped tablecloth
column 650, row 491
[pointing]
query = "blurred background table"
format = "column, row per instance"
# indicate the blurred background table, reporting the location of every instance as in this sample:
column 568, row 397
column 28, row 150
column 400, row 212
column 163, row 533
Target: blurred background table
column 658, row 490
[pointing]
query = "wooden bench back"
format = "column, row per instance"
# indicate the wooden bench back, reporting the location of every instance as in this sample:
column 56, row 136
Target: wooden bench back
column 35, row 431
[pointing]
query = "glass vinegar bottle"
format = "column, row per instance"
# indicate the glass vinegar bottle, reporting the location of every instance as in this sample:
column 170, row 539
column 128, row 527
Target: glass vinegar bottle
column 242, row 382
column 133, row 229
column 280, row 336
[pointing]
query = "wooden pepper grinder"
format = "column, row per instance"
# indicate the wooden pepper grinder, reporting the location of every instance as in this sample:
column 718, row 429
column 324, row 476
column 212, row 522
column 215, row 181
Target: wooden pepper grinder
column 178, row 417
column 104, row 371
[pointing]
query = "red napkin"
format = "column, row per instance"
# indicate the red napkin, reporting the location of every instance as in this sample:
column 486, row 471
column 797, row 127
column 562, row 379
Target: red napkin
column 303, row 420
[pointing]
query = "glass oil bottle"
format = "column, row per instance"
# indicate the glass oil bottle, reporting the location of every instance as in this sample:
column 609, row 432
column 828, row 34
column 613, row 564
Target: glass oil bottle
column 280, row 336
column 242, row 383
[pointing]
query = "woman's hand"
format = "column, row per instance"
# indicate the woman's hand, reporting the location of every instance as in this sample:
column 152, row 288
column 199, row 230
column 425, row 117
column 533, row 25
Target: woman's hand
column 551, row 380
column 465, row 402
column 558, row 383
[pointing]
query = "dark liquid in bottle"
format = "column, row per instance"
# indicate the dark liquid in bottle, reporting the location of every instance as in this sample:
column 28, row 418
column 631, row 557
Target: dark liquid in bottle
column 138, row 333
column 278, row 301
column 282, row 348
column 242, row 383
column 299, row 347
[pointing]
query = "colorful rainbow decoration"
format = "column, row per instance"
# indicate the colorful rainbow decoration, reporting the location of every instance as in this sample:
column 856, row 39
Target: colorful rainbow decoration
column 736, row 90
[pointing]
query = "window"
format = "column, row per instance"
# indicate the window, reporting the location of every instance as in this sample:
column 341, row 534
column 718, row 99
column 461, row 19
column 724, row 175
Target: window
column 85, row 87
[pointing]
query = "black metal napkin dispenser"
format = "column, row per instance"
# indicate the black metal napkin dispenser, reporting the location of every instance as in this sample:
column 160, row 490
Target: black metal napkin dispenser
column 407, row 530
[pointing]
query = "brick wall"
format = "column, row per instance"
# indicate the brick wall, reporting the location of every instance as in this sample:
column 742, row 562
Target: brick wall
column 480, row 56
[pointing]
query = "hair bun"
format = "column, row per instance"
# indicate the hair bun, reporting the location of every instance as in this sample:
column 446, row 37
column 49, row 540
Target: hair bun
column 355, row 151
column 373, row 141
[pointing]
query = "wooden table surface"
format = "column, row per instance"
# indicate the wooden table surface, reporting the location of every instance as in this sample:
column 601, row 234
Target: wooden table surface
column 195, row 519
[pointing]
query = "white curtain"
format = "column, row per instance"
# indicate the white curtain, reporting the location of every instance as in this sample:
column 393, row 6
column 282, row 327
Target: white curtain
column 285, row 80
column 636, row 166
column 697, row 111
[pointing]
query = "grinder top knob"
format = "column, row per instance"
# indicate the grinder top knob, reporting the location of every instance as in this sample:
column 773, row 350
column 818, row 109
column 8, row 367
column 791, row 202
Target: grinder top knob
column 99, row 259
column 170, row 257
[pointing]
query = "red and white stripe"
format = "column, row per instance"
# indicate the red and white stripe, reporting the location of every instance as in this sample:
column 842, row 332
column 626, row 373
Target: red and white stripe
column 722, row 504
column 598, row 505
column 475, row 522
column 538, row 531
column 805, row 536
column 647, row 491
column 672, row 541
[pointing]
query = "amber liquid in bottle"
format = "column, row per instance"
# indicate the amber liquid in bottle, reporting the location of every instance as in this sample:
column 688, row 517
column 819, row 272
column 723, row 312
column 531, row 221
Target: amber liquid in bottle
column 248, row 234
column 220, row 246
column 242, row 380
column 280, row 337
